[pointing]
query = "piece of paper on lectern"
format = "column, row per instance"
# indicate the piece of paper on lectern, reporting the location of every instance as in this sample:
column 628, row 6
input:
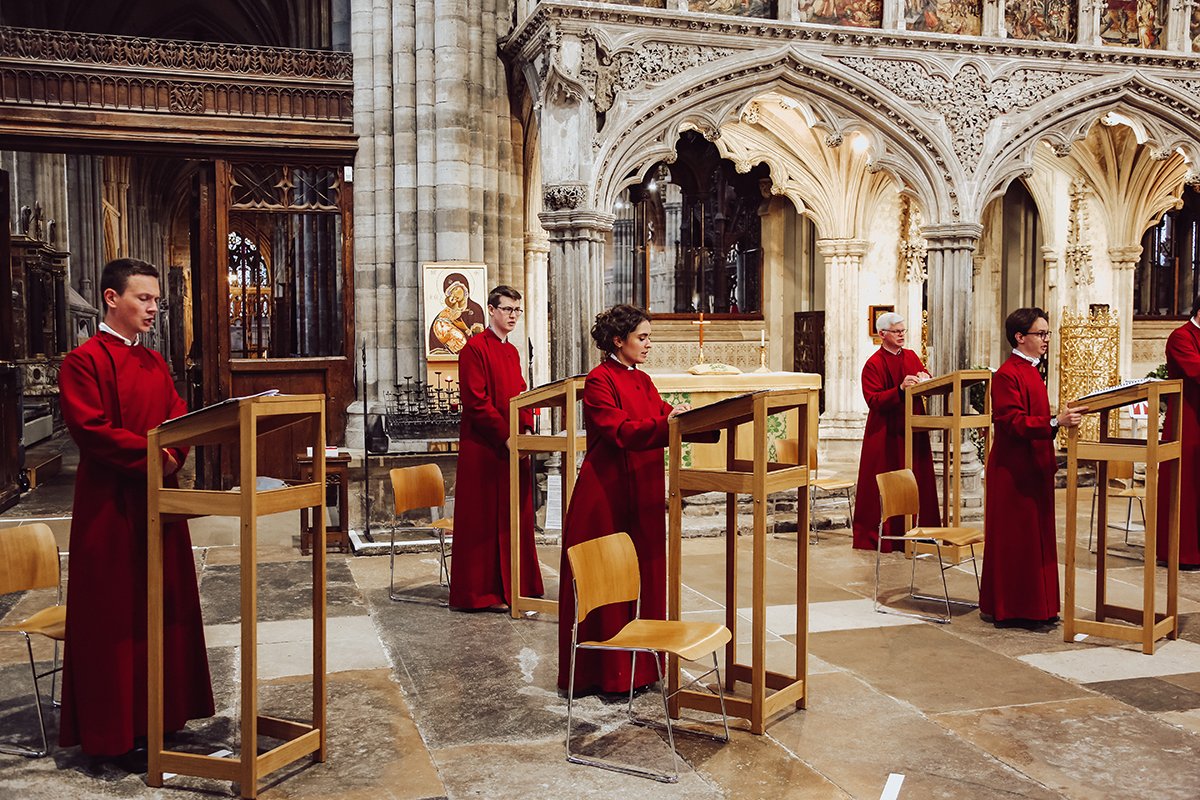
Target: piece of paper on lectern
column 1121, row 385
column 219, row 403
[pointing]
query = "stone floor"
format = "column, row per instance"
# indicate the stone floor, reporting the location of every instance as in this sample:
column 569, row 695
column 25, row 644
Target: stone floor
column 425, row 702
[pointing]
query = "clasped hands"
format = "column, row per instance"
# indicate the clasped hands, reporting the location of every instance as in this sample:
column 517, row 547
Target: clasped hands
column 912, row 380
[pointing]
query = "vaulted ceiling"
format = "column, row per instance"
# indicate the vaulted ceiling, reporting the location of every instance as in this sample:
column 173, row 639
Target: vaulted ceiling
column 276, row 23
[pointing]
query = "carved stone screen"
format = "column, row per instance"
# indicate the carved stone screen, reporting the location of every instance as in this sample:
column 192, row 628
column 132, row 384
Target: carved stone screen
column 642, row 3
column 944, row 16
column 1045, row 20
column 741, row 8
column 1133, row 23
column 856, row 13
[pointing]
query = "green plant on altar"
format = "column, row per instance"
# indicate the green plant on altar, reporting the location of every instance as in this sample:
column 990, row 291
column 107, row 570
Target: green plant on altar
column 975, row 399
column 1159, row 372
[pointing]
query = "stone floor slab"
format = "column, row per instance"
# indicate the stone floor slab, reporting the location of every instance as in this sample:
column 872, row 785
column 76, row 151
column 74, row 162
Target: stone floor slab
column 1088, row 663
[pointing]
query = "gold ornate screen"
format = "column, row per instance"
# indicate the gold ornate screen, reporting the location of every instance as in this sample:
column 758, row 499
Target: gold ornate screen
column 1088, row 350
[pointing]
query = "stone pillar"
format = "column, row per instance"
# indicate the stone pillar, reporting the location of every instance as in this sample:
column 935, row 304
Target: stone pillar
column 951, row 250
column 537, row 305
column 1053, row 306
column 1178, row 28
column 1088, row 26
column 1123, row 261
column 993, row 24
column 575, row 278
column 893, row 20
column 845, row 410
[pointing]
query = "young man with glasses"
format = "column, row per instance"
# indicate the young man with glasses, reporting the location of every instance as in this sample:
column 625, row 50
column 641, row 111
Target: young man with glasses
column 887, row 375
column 1020, row 567
column 489, row 376
column 1183, row 362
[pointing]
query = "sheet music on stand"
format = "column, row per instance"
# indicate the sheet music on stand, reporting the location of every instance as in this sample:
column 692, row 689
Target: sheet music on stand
column 1121, row 385
column 219, row 403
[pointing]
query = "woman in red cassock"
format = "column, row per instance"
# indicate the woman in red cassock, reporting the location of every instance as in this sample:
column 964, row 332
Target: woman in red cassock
column 1183, row 361
column 113, row 391
column 489, row 374
column 1020, row 565
column 887, row 374
column 621, row 488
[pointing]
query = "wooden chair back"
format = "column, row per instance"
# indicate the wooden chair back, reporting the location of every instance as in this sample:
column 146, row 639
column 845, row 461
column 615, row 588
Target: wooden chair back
column 1120, row 471
column 417, row 487
column 898, row 493
column 28, row 558
column 606, row 572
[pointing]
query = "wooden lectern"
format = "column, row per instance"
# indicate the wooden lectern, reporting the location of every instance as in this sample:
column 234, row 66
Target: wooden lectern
column 758, row 478
column 1146, row 625
column 564, row 394
column 952, row 389
column 237, row 423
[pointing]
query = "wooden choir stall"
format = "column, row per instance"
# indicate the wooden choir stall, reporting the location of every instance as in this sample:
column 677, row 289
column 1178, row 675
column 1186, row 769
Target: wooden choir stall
column 1144, row 625
column 564, row 395
column 951, row 392
column 238, row 424
column 741, row 417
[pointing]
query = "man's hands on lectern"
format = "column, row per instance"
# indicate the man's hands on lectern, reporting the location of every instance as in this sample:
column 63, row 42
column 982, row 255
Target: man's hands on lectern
column 679, row 409
column 1071, row 417
column 171, row 466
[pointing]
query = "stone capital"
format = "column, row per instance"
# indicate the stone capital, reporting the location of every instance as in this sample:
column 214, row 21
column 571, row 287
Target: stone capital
column 954, row 236
column 842, row 248
column 1125, row 256
column 537, row 242
column 584, row 222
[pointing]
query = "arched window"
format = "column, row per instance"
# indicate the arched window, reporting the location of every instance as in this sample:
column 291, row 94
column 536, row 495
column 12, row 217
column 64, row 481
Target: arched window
column 1167, row 276
column 249, row 299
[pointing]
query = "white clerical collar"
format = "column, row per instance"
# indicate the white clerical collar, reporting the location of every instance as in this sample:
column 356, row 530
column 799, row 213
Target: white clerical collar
column 1031, row 359
column 891, row 352
column 1193, row 321
column 104, row 326
column 501, row 337
column 620, row 363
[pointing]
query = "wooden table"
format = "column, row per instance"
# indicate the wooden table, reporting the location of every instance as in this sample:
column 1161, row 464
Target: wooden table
column 337, row 479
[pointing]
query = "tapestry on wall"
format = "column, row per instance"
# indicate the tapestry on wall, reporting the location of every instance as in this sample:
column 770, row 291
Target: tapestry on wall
column 1045, row 20
column 944, row 16
column 856, row 13
column 1133, row 23
column 740, row 8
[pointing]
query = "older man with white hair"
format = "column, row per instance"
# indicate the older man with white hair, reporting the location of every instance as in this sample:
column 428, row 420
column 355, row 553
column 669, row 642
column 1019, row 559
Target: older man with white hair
column 888, row 373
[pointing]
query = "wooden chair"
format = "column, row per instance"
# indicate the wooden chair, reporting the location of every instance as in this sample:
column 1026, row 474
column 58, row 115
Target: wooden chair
column 787, row 451
column 421, row 487
column 1120, row 484
column 605, row 571
column 28, row 561
column 898, row 496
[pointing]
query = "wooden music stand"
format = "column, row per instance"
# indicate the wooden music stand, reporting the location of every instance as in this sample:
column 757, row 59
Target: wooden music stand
column 952, row 388
column 564, row 394
column 238, row 423
column 1145, row 624
column 757, row 477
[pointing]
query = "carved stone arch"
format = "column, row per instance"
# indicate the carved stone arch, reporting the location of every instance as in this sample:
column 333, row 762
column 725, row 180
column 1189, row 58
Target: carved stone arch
column 1163, row 113
column 909, row 148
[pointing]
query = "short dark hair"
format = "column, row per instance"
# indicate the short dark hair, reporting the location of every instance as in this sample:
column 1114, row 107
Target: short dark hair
column 116, row 273
column 1196, row 306
column 616, row 323
column 1020, row 320
column 502, row 291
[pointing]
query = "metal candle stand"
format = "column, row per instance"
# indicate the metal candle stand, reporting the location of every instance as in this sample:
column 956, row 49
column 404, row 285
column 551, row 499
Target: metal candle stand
column 421, row 410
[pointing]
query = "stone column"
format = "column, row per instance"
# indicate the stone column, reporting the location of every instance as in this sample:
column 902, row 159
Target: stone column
column 845, row 410
column 993, row 24
column 1123, row 261
column 1178, row 27
column 951, row 250
column 537, row 305
column 1053, row 306
column 575, row 277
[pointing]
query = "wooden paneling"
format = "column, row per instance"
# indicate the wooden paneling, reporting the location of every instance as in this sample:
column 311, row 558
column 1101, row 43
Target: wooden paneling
column 809, row 345
column 10, row 396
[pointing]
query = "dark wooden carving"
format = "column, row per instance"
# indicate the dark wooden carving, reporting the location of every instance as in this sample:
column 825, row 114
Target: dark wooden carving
column 808, row 348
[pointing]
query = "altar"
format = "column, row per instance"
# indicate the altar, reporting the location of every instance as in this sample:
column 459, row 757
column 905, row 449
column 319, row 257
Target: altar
column 702, row 390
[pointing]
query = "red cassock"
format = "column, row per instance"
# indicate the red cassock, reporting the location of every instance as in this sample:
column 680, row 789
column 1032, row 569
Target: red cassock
column 621, row 487
column 1020, row 563
column 1183, row 361
column 883, row 449
column 112, row 394
column 489, row 374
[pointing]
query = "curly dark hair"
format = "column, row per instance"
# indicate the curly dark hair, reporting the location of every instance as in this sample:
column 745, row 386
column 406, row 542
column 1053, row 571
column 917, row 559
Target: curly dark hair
column 1019, row 322
column 616, row 322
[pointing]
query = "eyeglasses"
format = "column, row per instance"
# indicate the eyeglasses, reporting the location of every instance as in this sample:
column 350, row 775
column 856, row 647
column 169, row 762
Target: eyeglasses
column 1043, row 335
column 897, row 331
column 513, row 311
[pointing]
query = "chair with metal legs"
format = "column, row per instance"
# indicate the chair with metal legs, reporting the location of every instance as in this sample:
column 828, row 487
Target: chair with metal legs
column 605, row 571
column 1120, row 473
column 29, row 560
column 787, row 453
column 898, row 496
column 421, row 487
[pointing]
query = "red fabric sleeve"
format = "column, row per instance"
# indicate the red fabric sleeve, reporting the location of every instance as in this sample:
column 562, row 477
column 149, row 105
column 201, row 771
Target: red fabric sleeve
column 875, row 390
column 609, row 420
column 1183, row 353
column 85, row 415
column 477, row 403
column 1009, row 409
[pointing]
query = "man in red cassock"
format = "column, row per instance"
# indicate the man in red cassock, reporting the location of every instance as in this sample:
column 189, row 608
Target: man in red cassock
column 621, row 489
column 114, row 390
column 1020, row 568
column 489, row 376
column 888, row 373
column 1183, row 362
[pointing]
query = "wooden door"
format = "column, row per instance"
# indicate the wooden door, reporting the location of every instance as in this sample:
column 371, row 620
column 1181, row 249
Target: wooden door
column 11, row 423
column 809, row 345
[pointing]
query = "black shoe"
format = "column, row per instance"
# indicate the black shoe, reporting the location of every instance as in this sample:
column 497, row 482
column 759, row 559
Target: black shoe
column 134, row 761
